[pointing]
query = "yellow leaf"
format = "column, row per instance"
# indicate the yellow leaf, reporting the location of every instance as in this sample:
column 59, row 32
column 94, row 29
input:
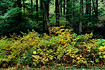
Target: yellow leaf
column 34, row 52
column 103, row 56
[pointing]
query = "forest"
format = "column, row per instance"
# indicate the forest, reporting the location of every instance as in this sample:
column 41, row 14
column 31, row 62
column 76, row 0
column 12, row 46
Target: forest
column 52, row 34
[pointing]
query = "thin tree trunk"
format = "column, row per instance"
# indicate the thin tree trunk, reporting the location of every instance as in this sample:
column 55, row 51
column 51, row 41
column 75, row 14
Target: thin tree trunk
column 95, row 6
column 97, row 10
column 40, row 4
column 57, row 12
column 81, row 14
column 60, row 7
column 41, row 8
column 37, row 10
column 64, row 8
column 19, row 18
column 46, row 17
column 73, row 8
column 31, row 3
column 67, row 11
column 43, row 22
column 47, row 9
column 24, row 6
column 88, row 9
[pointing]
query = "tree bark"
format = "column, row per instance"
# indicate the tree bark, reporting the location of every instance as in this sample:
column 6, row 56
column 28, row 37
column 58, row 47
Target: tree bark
column 37, row 10
column 88, row 10
column 64, row 8
column 73, row 8
column 60, row 7
column 46, row 17
column 81, row 14
column 57, row 12
column 96, row 10
column 95, row 6
column 19, row 17
column 67, row 11
column 31, row 3
column 24, row 6
column 40, row 4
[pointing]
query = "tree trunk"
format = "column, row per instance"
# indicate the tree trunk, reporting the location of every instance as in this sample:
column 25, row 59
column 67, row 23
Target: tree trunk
column 67, row 11
column 46, row 17
column 43, row 19
column 31, row 3
column 64, row 8
column 40, row 4
column 81, row 14
column 37, row 10
column 73, row 8
column 57, row 12
column 95, row 6
column 96, row 10
column 60, row 7
column 19, row 17
column 24, row 6
column 88, row 10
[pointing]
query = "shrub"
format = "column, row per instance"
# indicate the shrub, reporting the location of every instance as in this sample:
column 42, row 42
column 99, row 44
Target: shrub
column 62, row 46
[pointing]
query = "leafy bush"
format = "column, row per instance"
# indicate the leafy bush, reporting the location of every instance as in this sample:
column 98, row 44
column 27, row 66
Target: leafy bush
column 62, row 46
column 12, row 50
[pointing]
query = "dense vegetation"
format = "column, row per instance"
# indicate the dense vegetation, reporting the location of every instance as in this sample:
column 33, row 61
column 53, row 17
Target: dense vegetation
column 37, row 33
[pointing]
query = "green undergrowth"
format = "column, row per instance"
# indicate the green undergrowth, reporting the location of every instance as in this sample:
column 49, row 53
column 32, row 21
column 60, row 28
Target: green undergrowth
column 62, row 46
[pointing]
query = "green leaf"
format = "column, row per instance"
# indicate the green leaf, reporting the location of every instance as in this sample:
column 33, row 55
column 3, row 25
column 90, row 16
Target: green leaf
column 100, row 56
column 97, row 60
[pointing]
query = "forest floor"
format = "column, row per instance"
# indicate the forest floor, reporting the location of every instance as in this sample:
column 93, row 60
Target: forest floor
column 57, row 67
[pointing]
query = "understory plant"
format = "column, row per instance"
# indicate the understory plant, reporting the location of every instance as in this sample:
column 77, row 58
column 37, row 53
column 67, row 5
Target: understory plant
column 62, row 46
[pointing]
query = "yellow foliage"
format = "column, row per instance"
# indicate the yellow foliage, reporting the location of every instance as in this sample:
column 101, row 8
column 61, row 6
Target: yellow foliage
column 34, row 52
column 78, row 58
column 101, row 48
column 62, row 43
column 103, row 56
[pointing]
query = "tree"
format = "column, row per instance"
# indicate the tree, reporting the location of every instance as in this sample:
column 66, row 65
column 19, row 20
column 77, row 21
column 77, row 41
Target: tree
column 45, row 8
column 32, row 3
column 64, row 7
column 60, row 6
column 37, row 10
column 7, row 13
column 96, row 11
column 95, row 6
column 81, row 14
column 67, row 11
column 88, row 10
column 19, row 17
column 57, row 12
column 73, row 7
